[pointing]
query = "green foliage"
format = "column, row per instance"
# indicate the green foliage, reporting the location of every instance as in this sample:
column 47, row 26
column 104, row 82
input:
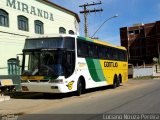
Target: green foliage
column 146, row 77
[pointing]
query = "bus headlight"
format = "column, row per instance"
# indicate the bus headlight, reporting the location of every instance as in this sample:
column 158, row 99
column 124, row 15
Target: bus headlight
column 56, row 81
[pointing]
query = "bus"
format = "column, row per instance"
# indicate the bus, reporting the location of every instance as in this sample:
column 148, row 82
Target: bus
column 62, row 64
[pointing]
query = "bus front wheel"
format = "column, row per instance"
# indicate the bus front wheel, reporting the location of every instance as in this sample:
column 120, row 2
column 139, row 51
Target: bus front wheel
column 79, row 88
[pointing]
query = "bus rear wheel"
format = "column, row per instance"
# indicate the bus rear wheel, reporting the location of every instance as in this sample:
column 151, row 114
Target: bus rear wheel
column 118, row 82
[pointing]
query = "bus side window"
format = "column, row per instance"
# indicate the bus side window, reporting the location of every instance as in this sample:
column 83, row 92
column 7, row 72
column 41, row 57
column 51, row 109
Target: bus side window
column 102, row 52
column 85, row 49
column 90, row 49
column 111, row 54
column 95, row 52
column 121, row 56
column 79, row 47
column 124, row 55
column 82, row 48
column 115, row 54
column 108, row 53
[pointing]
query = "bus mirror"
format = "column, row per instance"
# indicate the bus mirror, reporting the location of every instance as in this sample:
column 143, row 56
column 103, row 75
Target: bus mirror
column 19, row 59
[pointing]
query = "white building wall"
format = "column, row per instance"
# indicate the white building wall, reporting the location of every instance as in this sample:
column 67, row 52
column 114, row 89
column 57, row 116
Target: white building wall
column 12, row 39
column 140, row 72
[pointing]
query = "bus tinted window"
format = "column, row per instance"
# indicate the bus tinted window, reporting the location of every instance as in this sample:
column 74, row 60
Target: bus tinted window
column 108, row 53
column 82, row 48
column 97, row 51
column 111, row 54
column 102, row 52
column 115, row 54
column 122, row 55
column 90, row 49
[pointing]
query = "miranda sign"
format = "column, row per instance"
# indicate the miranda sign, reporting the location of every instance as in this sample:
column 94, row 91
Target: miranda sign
column 29, row 9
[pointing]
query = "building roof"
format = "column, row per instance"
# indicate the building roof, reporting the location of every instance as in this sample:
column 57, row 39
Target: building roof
column 53, row 4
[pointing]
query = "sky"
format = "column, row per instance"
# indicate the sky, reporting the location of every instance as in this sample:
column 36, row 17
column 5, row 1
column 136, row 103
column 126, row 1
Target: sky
column 129, row 12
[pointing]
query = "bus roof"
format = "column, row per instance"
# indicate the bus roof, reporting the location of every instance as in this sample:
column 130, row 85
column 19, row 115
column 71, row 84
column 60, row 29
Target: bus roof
column 101, row 42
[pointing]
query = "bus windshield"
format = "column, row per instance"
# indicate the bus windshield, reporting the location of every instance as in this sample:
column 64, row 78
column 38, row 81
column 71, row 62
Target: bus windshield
column 53, row 56
column 46, row 63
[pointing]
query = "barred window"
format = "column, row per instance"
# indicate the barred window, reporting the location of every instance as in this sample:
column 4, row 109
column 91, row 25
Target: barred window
column 4, row 18
column 71, row 32
column 23, row 23
column 39, row 27
column 13, row 66
column 62, row 30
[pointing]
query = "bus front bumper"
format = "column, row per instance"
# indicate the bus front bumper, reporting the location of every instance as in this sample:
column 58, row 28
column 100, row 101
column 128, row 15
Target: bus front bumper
column 43, row 87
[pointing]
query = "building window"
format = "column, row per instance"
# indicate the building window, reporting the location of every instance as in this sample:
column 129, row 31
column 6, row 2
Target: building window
column 4, row 19
column 131, row 32
column 13, row 66
column 136, row 31
column 23, row 23
column 71, row 32
column 39, row 27
column 62, row 30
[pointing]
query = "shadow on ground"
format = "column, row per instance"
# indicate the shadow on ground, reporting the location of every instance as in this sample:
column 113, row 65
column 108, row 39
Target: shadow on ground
column 20, row 95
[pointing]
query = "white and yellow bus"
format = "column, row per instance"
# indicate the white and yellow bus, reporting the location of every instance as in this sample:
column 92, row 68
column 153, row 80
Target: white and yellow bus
column 71, row 63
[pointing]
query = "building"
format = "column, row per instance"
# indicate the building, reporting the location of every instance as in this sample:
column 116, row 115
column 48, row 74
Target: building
column 20, row 19
column 142, row 42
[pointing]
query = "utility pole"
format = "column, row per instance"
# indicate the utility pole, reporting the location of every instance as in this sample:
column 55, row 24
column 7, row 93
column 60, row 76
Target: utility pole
column 85, row 12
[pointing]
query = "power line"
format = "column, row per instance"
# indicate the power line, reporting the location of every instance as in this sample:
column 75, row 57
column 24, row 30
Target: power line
column 86, row 11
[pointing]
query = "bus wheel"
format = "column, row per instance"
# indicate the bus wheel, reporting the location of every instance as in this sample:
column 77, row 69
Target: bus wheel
column 114, row 82
column 79, row 88
column 118, row 82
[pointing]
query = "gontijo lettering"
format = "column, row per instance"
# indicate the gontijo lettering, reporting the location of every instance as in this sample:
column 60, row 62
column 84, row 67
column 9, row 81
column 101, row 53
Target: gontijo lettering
column 110, row 64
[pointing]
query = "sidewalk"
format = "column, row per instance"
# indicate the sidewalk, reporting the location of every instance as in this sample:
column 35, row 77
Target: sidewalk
column 4, row 98
column 156, row 74
column 23, row 104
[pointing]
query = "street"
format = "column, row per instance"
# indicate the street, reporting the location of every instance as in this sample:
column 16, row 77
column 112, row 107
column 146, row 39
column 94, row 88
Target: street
column 135, row 96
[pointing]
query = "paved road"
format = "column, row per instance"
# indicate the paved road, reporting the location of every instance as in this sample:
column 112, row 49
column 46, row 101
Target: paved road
column 135, row 96
column 138, row 96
